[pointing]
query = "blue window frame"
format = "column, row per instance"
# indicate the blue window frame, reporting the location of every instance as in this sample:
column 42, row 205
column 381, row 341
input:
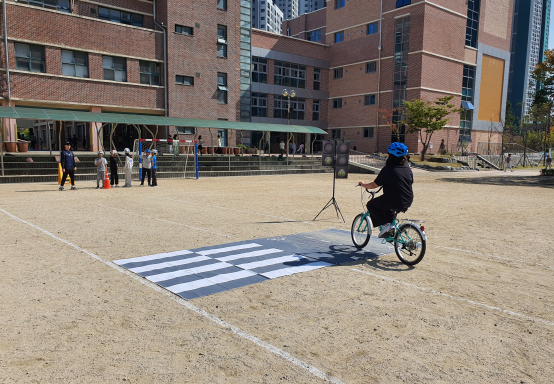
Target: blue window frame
column 373, row 28
column 339, row 36
column 339, row 4
column 401, row 3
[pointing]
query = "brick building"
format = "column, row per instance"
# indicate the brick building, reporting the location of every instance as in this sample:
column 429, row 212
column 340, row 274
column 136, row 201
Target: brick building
column 413, row 49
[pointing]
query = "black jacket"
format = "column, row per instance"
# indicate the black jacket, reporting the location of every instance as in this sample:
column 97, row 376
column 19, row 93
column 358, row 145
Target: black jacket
column 67, row 160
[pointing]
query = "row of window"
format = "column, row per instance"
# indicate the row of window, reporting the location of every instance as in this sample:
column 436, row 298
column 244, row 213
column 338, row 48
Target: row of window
column 399, row 3
column 367, row 133
column 370, row 67
column 368, row 100
column 221, row 37
column 30, row 57
column 371, row 29
column 221, row 85
column 281, row 107
column 286, row 74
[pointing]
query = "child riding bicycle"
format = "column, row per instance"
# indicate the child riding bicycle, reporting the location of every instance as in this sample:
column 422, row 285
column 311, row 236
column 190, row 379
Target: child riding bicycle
column 396, row 178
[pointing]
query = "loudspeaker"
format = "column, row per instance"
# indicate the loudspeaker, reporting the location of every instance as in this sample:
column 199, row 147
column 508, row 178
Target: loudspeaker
column 341, row 161
column 328, row 155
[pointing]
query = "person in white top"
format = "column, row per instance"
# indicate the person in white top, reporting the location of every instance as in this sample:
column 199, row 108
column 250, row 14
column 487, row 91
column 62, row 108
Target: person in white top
column 301, row 148
column 128, row 167
column 219, row 144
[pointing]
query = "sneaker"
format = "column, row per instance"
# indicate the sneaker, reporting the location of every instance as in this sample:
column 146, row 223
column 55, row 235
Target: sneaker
column 73, row 188
column 61, row 189
column 97, row 187
column 386, row 230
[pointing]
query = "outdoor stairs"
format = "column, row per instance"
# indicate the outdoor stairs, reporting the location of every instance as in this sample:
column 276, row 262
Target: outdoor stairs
column 44, row 168
column 482, row 158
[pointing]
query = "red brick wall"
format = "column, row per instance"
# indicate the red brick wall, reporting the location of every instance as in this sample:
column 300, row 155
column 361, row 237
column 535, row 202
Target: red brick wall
column 267, row 40
column 307, row 22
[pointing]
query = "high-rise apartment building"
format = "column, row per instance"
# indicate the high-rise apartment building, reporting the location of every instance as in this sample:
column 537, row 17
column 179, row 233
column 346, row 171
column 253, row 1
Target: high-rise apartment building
column 289, row 7
column 266, row 15
column 307, row 6
column 529, row 41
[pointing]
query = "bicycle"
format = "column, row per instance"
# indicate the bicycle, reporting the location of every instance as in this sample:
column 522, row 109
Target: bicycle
column 408, row 236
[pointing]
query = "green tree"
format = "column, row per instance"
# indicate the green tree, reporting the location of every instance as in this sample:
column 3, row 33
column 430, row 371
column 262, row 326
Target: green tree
column 426, row 118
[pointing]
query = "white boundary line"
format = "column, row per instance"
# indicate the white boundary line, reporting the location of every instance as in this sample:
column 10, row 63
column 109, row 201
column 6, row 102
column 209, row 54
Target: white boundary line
column 287, row 356
column 494, row 257
column 458, row 298
column 156, row 218
column 236, row 210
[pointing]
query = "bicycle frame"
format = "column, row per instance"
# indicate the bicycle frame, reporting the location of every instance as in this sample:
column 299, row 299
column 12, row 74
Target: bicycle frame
column 389, row 239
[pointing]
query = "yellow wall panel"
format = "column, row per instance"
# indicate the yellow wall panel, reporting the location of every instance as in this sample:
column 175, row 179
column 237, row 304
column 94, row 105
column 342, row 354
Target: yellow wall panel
column 491, row 87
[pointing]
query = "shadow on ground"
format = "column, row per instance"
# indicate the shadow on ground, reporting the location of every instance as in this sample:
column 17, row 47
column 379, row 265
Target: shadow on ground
column 521, row 181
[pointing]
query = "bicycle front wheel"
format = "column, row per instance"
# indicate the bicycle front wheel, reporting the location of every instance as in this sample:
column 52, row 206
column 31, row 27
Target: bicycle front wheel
column 410, row 244
column 361, row 231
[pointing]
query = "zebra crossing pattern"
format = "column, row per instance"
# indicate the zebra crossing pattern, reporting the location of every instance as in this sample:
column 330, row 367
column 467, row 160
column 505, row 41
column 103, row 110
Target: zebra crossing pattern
column 205, row 271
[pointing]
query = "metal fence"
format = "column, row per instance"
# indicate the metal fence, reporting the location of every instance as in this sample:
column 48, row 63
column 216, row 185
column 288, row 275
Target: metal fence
column 374, row 161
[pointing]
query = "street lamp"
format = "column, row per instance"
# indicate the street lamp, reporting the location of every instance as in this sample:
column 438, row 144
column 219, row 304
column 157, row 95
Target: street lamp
column 288, row 94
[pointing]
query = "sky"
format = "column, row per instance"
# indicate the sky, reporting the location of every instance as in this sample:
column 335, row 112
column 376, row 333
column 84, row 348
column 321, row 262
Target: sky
column 551, row 35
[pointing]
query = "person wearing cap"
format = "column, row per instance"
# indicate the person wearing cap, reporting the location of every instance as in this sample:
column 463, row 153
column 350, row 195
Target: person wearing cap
column 114, row 169
column 67, row 160
column 128, row 167
column 100, row 164
column 146, row 167
column 154, row 168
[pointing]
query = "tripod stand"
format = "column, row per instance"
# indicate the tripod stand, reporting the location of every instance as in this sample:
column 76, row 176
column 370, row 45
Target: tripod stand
column 333, row 201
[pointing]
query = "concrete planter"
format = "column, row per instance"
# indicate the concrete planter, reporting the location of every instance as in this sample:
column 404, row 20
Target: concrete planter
column 10, row 146
column 236, row 151
column 23, row 146
column 224, row 150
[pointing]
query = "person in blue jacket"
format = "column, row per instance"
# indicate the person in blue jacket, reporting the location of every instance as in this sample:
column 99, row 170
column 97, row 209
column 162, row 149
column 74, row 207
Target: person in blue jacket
column 154, row 168
column 67, row 160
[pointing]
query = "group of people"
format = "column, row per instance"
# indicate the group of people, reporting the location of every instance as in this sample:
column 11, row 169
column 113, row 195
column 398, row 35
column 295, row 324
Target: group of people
column 149, row 167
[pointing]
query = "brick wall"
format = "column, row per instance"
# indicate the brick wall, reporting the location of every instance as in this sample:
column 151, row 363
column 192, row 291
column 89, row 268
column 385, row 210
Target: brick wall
column 268, row 40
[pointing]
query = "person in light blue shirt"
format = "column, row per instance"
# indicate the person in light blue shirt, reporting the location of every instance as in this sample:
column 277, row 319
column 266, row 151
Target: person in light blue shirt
column 154, row 168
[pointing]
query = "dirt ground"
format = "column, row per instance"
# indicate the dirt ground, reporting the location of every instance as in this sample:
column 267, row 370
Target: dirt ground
column 477, row 309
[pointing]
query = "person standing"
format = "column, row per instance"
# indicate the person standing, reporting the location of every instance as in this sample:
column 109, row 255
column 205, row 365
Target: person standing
column 154, row 168
column 146, row 167
column 100, row 164
column 128, row 167
column 67, row 160
column 282, row 147
column 508, row 163
column 114, row 169
column 549, row 162
column 219, row 145
column 200, row 144
column 75, row 142
column 85, row 143
column 175, row 145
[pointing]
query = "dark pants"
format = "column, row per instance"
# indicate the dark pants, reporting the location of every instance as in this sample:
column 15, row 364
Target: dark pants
column 145, row 172
column 70, row 172
column 381, row 212
column 154, row 179
column 114, row 177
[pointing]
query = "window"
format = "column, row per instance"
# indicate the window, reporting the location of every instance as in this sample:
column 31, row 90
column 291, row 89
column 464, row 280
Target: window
column 185, row 130
column 221, row 41
column 185, row 80
column 339, row 36
column 120, row 17
column 466, row 114
column 315, row 109
column 222, row 4
column 259, row 70
column 337, row 103
column 222, row 135
column 280, row 108
column 335, row 133
column 317, row 79
column 314, row 35
column 400, row 69
column 149, row 72
column 371, row 67
column 184, row 30
column 337, row 73
column 115, row 68
column 74, row 63
column 472, row 26
column 222, row 88
column 259, row 104
column 29, row 57
column 339, row 4
column 401, row 3
column 289, row 75
column 368, row 133
column 373, row 28
column 369, row 100
column 57, row 5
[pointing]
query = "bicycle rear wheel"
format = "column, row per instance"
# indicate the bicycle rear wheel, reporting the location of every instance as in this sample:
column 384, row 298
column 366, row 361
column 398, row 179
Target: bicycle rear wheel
column 361, row 231
column 410, row 244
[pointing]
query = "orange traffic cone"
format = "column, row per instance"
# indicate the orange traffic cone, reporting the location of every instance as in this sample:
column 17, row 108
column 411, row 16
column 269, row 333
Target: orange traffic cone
column 107, row 181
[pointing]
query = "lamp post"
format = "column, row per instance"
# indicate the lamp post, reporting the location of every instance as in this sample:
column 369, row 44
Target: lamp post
column 288, row 94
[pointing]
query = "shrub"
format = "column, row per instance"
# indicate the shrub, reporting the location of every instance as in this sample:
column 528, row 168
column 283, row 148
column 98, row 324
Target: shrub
column 547, row 172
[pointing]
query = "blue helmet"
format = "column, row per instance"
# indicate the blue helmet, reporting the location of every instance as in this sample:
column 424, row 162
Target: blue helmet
column 398, row 149
column 147, row 151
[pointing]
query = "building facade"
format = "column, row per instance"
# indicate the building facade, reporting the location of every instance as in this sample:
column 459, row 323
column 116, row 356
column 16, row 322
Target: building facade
column 290, row 8
column 267, row 16
column 414, row 49
column 307, row 6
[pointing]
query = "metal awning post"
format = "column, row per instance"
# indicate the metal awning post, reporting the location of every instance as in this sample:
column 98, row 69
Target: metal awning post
column 2, row 148
column 60, row 136
column 49, row 138
column 313, row 141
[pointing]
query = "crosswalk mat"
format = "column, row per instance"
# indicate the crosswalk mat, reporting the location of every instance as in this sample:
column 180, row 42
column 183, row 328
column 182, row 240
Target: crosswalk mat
column 208, row 270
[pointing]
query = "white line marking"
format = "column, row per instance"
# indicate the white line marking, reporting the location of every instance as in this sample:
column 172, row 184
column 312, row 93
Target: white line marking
column 167, row 264
column 265, row 263
column 495, row 257
column 167, row 221
column 218, row 279
column 189, row 271
column 459, row 298
column 293, row 270
column 152, row 257
column 228, row 249
column 249, row 254
column 236, row 210
column 285, row 355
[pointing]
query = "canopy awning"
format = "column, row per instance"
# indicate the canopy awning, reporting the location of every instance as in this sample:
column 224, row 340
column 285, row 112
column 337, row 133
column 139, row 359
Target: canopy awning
column 122, row 118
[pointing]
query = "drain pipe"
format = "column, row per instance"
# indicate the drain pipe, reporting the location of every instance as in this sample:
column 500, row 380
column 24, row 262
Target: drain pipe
column 7, row 61
column 379, row 77
column 165, row 67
